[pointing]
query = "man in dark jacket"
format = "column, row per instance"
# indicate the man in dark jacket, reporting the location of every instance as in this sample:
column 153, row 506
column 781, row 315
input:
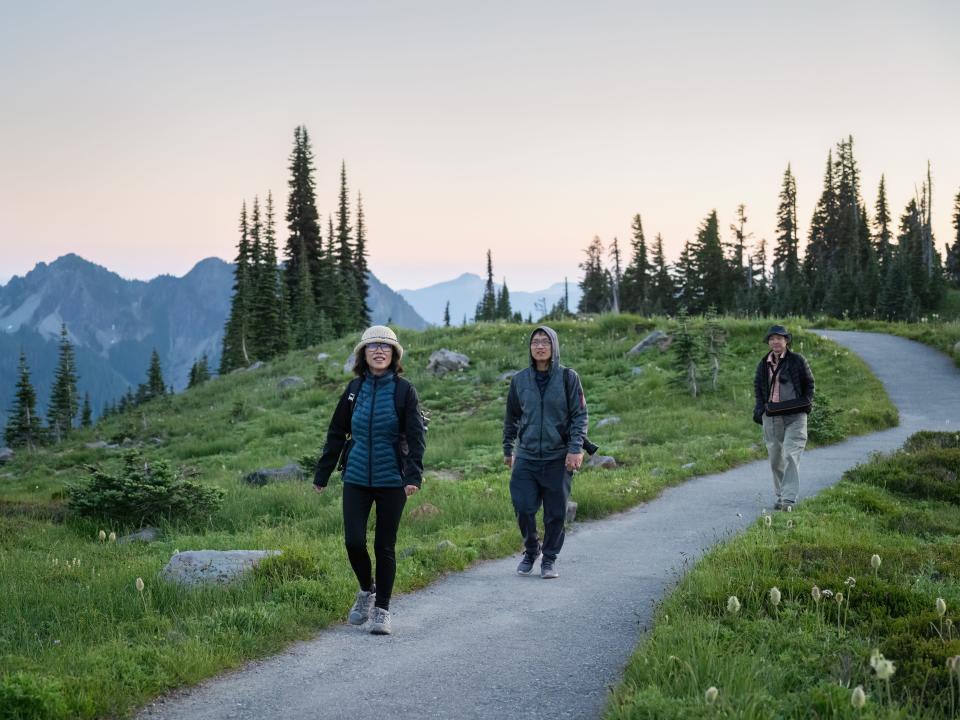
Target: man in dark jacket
column 783, row 389
column 543, row 433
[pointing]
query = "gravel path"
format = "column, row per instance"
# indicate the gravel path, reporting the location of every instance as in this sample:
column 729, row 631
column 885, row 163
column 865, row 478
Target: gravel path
column 487, row 643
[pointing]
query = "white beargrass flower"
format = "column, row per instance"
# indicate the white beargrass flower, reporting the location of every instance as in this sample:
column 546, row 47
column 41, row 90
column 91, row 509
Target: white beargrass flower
column 767, row 520
column 839, row 598
column 733, row 605
column 941, row 607
column 875, row 657
column 113, row 537
column 139, row 585
column 827, row 594
column 775, row 596
column 711, row 695
column 859, row 698
column 885, row 668
column 815, row 593
column 875, row 562
column 101, row 536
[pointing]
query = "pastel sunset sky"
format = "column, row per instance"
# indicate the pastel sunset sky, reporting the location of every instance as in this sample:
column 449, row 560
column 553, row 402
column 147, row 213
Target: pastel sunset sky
column 131, row 132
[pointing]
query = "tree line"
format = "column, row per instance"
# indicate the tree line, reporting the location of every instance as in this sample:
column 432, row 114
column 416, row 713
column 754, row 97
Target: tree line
column 853, row 265
column 318, row 292
column 65, row 411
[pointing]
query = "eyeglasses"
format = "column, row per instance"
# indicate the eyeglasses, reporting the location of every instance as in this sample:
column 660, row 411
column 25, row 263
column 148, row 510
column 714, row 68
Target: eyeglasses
column 545, row 342
column 373, row 347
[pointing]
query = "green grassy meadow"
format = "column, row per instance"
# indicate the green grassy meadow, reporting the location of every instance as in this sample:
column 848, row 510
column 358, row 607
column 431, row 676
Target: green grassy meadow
column 77, row 640
column 802, row 658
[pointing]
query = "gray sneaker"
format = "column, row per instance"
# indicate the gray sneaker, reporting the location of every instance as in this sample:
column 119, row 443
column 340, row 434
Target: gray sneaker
column 548, row 569
column 361, row 607
column 526, row 563
column 380, row 622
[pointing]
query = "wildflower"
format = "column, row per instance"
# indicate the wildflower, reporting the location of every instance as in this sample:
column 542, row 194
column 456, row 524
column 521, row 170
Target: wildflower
column 815, row 593
column 733, row 605
column 885, row 668
column 827, row 594
column 711, row 695
column 859, row 698
column 875, row 657
column 767, row 520
column 789, row 508
column 839, row 598
column 101, row 536
column 875, row 562
column 941, row 607
column 76, row 562
column 850, row 582
column 789, row 523
column 775, row 596
column 113, row 537
column 953, row 663
column 139, row 585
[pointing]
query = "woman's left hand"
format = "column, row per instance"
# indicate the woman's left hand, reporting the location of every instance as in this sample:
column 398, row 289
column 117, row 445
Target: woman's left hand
column 410, row 489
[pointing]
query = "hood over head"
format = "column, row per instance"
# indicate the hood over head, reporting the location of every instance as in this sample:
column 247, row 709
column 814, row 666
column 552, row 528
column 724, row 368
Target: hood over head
column 554, row 343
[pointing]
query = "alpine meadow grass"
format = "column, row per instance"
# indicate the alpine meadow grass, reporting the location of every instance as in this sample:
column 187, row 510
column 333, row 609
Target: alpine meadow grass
column 79, row 638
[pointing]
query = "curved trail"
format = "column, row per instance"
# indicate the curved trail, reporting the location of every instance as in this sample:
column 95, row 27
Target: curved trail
column 489, row 644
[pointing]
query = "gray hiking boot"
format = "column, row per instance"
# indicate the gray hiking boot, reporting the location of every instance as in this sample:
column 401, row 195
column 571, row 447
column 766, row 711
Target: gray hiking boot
column 526, row 562
column 361, row 607
column 380, row 622
column 548, row 569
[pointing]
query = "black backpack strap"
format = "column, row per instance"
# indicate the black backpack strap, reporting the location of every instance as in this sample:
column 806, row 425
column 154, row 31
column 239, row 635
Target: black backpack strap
column 567, row 383
column 400, row 393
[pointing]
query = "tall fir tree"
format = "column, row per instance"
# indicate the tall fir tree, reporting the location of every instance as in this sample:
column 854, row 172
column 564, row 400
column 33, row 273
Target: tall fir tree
column 23, row 424
column 199, row 372
column 266, row 331
column 155, row 386
column 64, row 400
column 616, row 277
column 236, row 352
column 256, row 263
column 446, row 315
column 953, row 253
column 334, row 308
column 303, row 221
column 687, row 276
column 786, row 253
column 662, row 297
column 504, row 312
column 714, row 270
column 487, row 306
column 595, row 285
column 882, row 232
column 361, row 269
column 346, row 266
column 86, row 412
column 635, row 292
column 818, row 260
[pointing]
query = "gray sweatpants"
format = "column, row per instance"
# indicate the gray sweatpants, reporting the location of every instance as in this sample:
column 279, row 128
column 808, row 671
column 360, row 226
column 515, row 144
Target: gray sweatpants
column 785, row 437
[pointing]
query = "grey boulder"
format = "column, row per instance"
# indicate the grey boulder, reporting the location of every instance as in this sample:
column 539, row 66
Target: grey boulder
column 212, row 567
column 6, row 454
column 648, row 342
column 571, row 511
column 147, row 535
column 290, row 382
column 602, row 461
column 444, row 361
column 271, row 475
column 612, row 420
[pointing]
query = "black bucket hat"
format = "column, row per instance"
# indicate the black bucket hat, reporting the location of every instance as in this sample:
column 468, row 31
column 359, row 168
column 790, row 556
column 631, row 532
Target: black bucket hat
column 777, row 330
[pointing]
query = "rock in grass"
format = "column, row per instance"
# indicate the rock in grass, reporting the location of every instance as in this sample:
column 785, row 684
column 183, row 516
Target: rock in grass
column 266, row 476
column 636, row 371
column 444, row 361
column 256, row 366
column 648, row 342
column 323, row 356
column 507, row 375
column 348, row 365
column 446, row 545
column 571, row 511
column 687, row 466
column 613, row 420
column 290, row 382
column 147, row 535
column 195, row 568
column 424, row 511
column 606, row 462
column 6, row 454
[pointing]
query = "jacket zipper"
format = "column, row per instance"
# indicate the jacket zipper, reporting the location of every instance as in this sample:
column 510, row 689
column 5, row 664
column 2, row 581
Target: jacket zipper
column 542, row 392
column 373, row 406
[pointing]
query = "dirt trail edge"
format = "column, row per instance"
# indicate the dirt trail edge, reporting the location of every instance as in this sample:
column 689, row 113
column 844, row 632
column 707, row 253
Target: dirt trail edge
column 489, row 644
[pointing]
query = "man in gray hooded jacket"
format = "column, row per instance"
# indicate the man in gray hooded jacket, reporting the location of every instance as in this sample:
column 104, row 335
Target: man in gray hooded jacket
column 543, row 432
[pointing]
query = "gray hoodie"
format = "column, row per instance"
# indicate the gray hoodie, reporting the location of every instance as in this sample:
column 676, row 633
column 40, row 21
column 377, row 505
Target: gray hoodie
column 547, row 425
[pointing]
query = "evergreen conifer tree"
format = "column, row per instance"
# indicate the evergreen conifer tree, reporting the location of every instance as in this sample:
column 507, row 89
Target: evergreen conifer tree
column 712, row 266
column 688, row 277
column 303, row 221
column 345, row 261
column 953, row 253
column 615, row 277
column 199, row 372
column 596, row 280
column 487, row 306
column 635, row 290
column 86, row 413
column 883, row 234
column 23, row 424
column 446, row 315
column 155, row 386
column 662, row 287
column 267, row 294
column 333, row 309
column 687, row 348
column 360, row 265
column 307, row 321
column 821, row 243
column 236, row 350
column 64, row 400
column 504, row 312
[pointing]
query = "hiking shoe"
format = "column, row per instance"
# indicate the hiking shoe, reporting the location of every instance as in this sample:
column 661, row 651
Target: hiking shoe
column 548, row 569
column 778, row 505
column 380, row 622
column 361, row 607
column 526, row 563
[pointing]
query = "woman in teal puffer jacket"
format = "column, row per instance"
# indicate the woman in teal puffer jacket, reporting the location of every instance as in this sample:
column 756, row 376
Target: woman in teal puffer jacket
column 377, row 432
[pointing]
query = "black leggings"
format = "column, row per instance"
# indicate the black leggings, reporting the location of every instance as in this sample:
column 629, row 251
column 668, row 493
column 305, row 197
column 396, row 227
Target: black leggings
column 357, row 500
